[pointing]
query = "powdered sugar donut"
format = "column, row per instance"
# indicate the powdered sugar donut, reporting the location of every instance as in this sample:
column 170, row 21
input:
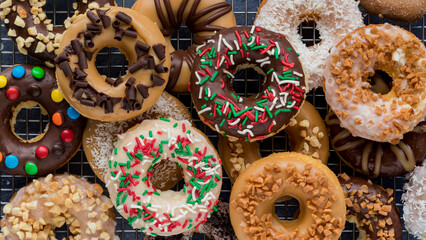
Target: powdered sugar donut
column 414, row 199
column 334, row 18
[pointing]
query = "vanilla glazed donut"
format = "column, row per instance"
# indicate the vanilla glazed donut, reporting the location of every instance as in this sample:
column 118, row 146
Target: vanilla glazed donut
column 364, row 113
column 334, row 20
column 203, row 18
column 99, row 138
column 414, row 199
column 372, row 208
column 249, row 118
column 313, row 184
column 33, row 32
column 377, row 159
column 100, row 97
column 400, row 10
column 48, row 203
column 26, row 86
column 307, row 135
column 158, row 212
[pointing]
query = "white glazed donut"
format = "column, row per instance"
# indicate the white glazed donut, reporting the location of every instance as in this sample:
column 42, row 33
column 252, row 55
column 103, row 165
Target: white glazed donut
column 169, row 212
column 414, row 199
column 334, row 19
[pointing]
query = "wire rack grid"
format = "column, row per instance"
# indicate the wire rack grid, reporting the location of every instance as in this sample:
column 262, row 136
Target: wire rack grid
column 30, row 122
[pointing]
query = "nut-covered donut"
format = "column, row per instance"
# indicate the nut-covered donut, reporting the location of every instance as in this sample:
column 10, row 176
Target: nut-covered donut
column 376, row 159
column 169, row 212
column 100, row 97
column 34, row 33
column 48, row 203
column 249, row 118
column 307, row 134
column 372, row 208
column 334, row 20
column 313, row 184
column 401, row 10
column 375, row 116
column 203, row 18
column 99, row 138
column 26, row 86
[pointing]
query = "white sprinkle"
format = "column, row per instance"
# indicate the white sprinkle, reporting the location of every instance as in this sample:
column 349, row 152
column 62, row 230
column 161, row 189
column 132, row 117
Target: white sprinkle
column 264, row 63
column 236, row 45
column 249, row 126
column 217, row 128
column 204, row 110
column 232, row 59
column 252, row 29
column 219, row 43
column 221, row 62
column 227, row 72
column 227, row 44
column 202, row 45
column 289, row 81
column 198, row 77
column 201, row 93
column 297, row 74
column 235, row 122
column 262, row 60
column 291, row 105
column 259, row 108
column 209, row 94
column 243, row 132
column 226, row 107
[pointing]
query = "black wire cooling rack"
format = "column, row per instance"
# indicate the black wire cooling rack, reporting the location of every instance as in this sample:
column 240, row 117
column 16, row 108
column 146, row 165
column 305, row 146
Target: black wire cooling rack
column 31, row 122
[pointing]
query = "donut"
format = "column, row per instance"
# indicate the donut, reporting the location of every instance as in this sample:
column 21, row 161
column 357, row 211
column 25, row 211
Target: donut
column 322, row 205
column 334, row 20
column 203, row 18
column 99, row 138
column 364, row 113
column 34, row 33
column 307, row 134
column 372, row 208
column 157, row 212
column 376, row 159
column 100, row 97
column 26, row 86
column 402, row 11
column 48, row 203
column 414, row 200
column 254, row 118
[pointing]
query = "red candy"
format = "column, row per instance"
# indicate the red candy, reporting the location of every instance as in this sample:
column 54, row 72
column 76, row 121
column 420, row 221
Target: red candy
column 42, row 152
column 12, row 93
column 67, row 136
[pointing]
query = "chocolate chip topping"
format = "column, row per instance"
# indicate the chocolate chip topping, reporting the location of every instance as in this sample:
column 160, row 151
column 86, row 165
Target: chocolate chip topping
column 124, row 17
column 160, row 50
column 93, row 17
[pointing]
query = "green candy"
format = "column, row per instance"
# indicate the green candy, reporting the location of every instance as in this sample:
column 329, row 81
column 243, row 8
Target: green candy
column 31, row 168
column 38, row 72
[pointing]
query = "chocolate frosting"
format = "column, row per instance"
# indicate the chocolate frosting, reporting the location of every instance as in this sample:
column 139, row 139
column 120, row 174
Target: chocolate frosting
column 282, row 93
column 37, row 90
column 376, row 159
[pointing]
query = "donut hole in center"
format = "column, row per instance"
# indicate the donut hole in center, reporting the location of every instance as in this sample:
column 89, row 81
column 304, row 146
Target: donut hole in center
column 380, row 82
column 287, row 208
column 29, row 122
column 248, row 80
column 310, row 34
column 111, row 62
column 167, row 175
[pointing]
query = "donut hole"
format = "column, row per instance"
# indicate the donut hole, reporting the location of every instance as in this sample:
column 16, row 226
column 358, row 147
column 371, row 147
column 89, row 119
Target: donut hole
column 310, row 34
column 167, row 175
column 29, row 122
column 111, row 62
column 287, row 208
column 380, row 82
column 248, row 80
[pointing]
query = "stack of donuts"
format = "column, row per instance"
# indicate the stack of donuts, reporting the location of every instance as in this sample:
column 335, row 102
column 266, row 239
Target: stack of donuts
column 161, row 171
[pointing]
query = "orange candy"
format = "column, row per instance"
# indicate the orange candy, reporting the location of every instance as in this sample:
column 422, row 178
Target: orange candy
column 57, row 119
column 1, row 157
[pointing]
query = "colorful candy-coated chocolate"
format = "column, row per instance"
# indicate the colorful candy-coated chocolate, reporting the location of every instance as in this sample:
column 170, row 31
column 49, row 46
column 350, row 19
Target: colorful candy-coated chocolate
column 3, row 81
column 67, row 136
column 56, row 96
column 12, row 94
column 11, row 161
column 72, row 113
column 31, row 168
column 1, row 157
column 42, row 152
column 18, row 72
column 37, row 72
column 57, row 119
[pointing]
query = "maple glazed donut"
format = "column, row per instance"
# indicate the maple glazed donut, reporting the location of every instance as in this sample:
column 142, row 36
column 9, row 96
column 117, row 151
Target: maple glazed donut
column 307, row 134
column 34, row 33
column 313, row 184
column 100, row 97
column 203, row 18
column 26, row 86
column 370, row 115
column 99, row 138
column 48, row 203
column 334, row 20
column 158, row 212
column 249, row 118
column 377, row 159
column 402, row 11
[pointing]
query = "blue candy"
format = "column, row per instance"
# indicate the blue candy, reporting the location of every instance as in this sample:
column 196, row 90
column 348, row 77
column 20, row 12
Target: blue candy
column 11, row 161
column 18, row 71
column 72, row 113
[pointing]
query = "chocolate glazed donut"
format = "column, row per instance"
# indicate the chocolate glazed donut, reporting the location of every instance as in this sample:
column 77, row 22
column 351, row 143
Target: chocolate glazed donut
column 33, row 32
column 203, row 18
column 376, row 159
column 24, row 86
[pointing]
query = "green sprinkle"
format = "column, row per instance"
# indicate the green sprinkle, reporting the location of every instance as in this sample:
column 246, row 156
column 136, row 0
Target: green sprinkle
column 109, row 163
column 157, row 193
column 204, row 106
column 112, row 173
column 259, row 47
column 245, row 120
column 291, row 49
column 139, row 156
column 124, row 198
column 235, row 96
column 115, row 151
column 165, row 119
column 221, row 123
column 271, row 70
column 145, row 192
column 232, row 53
column 204, row 80
column 175, row 125
column 261, row 101
column 142, row 137
column 245, row 46
column 269, row 112
column 150, row 134
column 213, row 96
column 282, row 110
column 256, row 116
column 276, row 54
column 214, row 76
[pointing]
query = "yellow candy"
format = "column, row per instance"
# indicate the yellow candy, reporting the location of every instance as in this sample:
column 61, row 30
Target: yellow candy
column 56, row 96
column 3, row 81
